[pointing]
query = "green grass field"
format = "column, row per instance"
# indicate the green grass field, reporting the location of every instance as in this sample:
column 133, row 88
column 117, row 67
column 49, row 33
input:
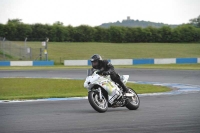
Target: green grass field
column 60, row 51
column 28, row 88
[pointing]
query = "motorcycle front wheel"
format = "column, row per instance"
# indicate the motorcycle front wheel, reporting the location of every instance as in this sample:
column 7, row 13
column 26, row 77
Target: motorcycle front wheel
column 133, row 103
column 99, row 105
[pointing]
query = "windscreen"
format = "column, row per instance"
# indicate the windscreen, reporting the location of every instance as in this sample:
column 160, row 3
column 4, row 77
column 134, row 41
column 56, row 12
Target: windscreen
column 90, row 71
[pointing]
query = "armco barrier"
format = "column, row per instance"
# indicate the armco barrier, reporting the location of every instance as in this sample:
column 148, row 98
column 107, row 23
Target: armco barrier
column 136, row 61
column 26, row 63
column 75, row 62
column 4, row 63
column 21, row 63
column 142, row 61
column 165, row 61
column 113, row 61
column 186, row 60
column 43, row 63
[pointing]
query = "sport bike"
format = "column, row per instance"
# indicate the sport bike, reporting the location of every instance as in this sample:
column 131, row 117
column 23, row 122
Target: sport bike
column 104, row 93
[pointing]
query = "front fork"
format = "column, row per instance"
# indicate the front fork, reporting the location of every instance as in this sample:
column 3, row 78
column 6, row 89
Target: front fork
column 100, row 93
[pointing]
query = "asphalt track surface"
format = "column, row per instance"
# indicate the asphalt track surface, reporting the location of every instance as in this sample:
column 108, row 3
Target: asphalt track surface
column 164, row 76
column 156, row 114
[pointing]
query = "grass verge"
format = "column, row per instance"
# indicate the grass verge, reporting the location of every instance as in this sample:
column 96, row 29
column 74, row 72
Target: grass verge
column 31, row 88
column 60, row 51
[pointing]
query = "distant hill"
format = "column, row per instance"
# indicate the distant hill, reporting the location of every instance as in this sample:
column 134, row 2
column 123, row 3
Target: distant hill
column 135, row 23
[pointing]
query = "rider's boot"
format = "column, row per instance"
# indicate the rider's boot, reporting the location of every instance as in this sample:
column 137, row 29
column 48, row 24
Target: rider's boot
column 125, row 89
column 116, row 78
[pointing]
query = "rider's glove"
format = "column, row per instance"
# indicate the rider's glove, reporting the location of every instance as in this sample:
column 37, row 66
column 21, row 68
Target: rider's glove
column 105, row 73
column 98, row 72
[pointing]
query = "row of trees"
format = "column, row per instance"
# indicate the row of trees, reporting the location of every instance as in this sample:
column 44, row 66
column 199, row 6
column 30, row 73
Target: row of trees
column 16, row 30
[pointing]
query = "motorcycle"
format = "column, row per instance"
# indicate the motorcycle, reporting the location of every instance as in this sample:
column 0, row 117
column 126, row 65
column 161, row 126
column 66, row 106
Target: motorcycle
column 104, row 93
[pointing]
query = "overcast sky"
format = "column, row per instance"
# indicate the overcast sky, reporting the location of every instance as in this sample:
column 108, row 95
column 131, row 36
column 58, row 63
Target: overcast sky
column 96, row 12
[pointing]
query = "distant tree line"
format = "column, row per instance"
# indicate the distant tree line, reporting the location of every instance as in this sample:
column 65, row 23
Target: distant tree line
column 16, row 30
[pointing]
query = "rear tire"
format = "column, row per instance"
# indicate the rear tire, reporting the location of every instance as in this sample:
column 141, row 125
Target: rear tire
column 100, row 106
column 133, row 103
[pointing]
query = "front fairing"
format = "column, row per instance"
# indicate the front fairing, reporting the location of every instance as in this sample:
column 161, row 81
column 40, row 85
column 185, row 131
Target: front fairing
column 91, row 81
column 103, row 81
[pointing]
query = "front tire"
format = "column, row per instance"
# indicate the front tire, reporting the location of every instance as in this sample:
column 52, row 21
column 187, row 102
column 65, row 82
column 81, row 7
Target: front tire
column 133, row 103
column 100, row 106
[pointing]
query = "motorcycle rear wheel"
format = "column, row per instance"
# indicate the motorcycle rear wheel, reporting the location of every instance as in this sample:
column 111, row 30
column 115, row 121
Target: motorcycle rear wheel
column 100, row 106
column 133, row 102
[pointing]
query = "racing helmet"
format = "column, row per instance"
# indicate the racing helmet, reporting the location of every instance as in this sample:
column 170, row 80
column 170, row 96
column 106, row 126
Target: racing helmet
column 95, row 60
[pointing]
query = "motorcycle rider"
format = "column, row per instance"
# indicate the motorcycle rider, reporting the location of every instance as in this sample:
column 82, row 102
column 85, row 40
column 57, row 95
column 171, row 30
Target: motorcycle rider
column 106, row 68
